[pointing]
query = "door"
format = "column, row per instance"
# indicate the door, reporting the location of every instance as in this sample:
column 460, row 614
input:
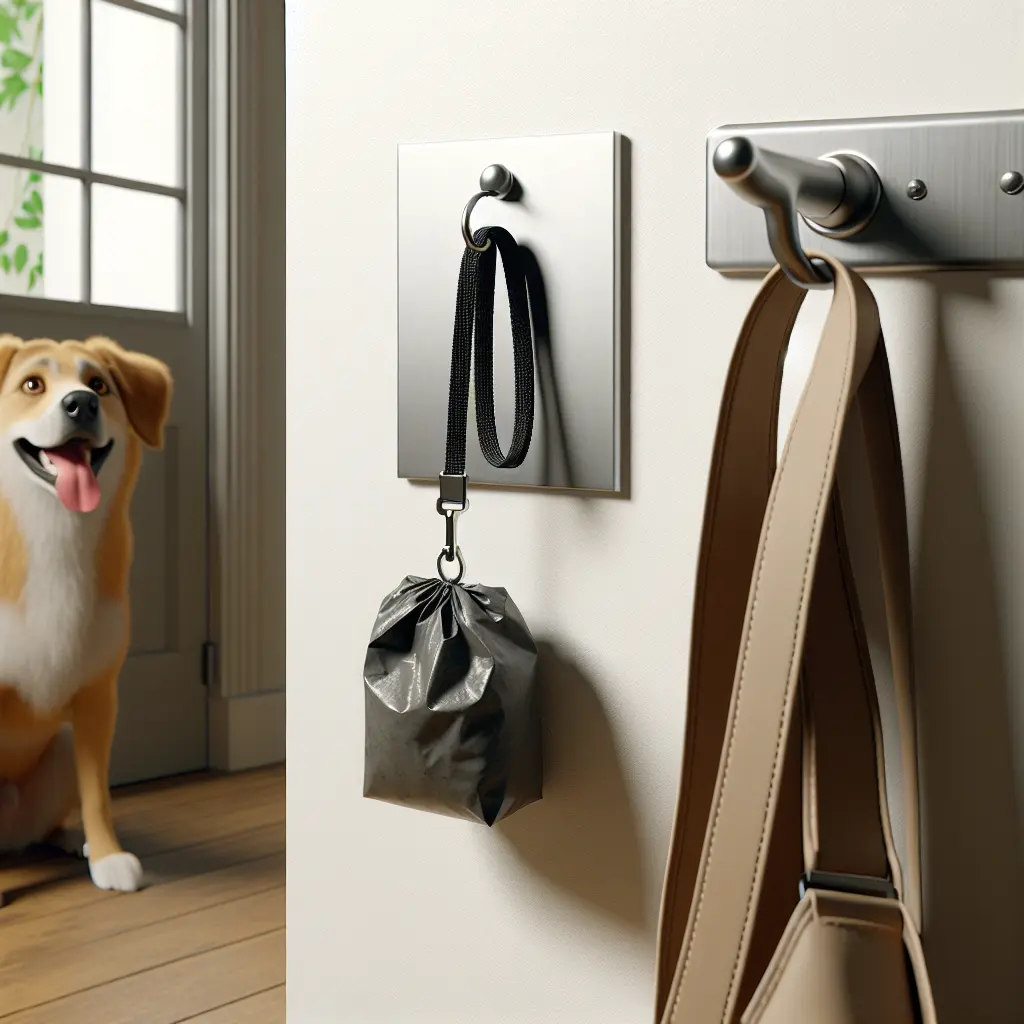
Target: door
column 103, row 210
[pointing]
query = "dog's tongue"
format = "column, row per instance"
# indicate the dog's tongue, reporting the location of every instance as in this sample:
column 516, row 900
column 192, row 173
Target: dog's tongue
column 77, row 486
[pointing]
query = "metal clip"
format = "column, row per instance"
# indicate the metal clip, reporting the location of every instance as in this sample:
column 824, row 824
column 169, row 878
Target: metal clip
column 453, row 493
column 451, row 503
column 451, row 539
column 860, row 885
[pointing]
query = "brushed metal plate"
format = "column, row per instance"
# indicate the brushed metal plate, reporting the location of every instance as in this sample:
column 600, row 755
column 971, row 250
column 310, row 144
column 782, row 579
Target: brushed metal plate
column 571, row 217
column 965, row 221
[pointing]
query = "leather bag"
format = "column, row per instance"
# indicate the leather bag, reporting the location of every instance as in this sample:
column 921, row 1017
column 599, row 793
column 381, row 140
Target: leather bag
column 785, row 901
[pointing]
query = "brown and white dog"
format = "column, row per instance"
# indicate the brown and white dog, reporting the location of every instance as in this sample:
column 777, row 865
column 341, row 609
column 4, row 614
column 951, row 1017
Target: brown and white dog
column 73, row 419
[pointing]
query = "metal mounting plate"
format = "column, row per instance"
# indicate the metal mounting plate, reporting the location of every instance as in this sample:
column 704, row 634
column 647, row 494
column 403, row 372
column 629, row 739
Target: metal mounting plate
column 570, row 216
column 965, row 221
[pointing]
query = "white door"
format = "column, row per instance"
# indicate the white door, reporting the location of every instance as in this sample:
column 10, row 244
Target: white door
column 103, row 231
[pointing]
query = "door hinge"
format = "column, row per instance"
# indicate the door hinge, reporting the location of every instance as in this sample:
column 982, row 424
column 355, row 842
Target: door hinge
column 209, row 666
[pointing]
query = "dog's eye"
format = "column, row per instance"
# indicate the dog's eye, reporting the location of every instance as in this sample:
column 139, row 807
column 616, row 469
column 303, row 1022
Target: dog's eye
column 34, row 386
column 99, row 385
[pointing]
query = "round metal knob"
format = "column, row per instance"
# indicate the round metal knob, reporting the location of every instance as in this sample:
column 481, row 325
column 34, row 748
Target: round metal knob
column 498, row 179
column 734, row 157
column 1012, row 183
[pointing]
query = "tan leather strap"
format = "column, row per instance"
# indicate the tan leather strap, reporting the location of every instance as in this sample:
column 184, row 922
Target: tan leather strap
column 843, row 828
column 740, row 480
column 881, row 433
column 733, row 827
column 843, row 736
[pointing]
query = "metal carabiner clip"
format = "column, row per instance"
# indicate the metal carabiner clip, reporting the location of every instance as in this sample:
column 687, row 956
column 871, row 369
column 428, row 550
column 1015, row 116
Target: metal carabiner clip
column 451, row 503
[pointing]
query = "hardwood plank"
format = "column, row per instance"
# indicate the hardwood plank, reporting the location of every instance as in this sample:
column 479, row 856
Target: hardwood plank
column 60, row 895
column 174, row 992
column 155, row 834
column 264, row 1008
column 160, row 834
column 203, row 942
column 199, row 797
column 202, row 788
column 211, row 782
column 113, row 961
column 195, row 800
column 30, row 943
column 47, row 869
column 195, row 797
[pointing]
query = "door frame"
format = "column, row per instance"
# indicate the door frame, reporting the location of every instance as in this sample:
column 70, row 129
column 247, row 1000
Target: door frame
column 246, row 499
column 124, row 322
column 234, row 282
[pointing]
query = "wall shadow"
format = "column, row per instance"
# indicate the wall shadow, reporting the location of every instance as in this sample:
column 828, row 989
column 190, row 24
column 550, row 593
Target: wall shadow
column 557, row 462
column 583, row 836
column 973, row 836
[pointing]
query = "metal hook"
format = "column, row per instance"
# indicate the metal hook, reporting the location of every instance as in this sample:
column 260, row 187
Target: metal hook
column 495, row 180
column 452, row 501
column 451, row 552
column 451, row 535
column 836, row 195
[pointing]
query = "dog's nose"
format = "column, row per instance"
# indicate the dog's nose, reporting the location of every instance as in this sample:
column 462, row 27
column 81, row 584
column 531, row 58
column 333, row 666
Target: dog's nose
column 83, row 407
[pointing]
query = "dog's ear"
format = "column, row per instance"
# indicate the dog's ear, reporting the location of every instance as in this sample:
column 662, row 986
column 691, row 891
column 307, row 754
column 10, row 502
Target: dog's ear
column 9, row 347
column 145, row 386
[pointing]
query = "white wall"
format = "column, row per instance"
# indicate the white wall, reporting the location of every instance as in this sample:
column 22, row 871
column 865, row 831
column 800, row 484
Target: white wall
column 402, row 918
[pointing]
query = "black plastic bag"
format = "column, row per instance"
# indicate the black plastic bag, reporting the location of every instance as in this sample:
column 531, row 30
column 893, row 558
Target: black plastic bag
column 452, row 723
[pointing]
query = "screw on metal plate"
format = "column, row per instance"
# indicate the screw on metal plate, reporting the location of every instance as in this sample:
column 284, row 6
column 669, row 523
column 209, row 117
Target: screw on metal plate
column 917, row 189
column 1012, row 182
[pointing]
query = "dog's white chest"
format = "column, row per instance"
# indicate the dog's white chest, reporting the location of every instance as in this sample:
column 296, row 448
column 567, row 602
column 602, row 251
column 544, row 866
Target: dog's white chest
column 54, row 643
column 48, row 651
column 58, row 637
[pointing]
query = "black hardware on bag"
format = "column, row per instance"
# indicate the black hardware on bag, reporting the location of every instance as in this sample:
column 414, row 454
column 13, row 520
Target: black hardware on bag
column 473, row 348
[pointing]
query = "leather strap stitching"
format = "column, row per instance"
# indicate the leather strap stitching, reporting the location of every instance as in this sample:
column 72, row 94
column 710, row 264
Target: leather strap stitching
column 751, row 321
column 758, row 864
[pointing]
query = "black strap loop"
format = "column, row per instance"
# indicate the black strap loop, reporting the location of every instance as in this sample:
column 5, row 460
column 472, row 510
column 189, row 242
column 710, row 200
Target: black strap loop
column 474, row 307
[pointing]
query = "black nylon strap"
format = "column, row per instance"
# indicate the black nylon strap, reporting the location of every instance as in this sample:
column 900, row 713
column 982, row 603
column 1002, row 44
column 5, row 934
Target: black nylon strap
column 474, row 307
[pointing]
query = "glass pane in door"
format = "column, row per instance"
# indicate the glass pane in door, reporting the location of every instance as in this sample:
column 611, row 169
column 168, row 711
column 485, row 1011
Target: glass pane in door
column 62, row 83
column 137, row 93
column 40, row 213
column 137, row 249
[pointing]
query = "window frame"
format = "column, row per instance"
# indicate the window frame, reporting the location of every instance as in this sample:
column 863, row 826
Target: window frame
column 192, row 195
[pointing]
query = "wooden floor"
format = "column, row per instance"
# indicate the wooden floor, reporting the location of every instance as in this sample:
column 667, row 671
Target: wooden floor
column 204, row 942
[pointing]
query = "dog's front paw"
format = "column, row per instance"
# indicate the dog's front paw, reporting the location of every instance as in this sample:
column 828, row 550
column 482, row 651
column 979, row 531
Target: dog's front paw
column 120, row 872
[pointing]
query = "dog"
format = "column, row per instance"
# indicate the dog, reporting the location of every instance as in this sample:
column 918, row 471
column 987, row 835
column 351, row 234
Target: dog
column 74, row 418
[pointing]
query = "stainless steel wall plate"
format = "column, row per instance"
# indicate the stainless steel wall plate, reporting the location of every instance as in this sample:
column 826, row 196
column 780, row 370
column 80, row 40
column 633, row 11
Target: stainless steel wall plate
column 568, row 210
column 947, row 198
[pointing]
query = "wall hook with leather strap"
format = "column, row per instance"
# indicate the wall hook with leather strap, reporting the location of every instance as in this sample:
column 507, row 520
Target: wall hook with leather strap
column 885, row 195
column 836, row 195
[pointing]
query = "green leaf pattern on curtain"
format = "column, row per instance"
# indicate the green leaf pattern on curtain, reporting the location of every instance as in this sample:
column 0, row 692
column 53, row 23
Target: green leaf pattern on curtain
column 21, row 133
